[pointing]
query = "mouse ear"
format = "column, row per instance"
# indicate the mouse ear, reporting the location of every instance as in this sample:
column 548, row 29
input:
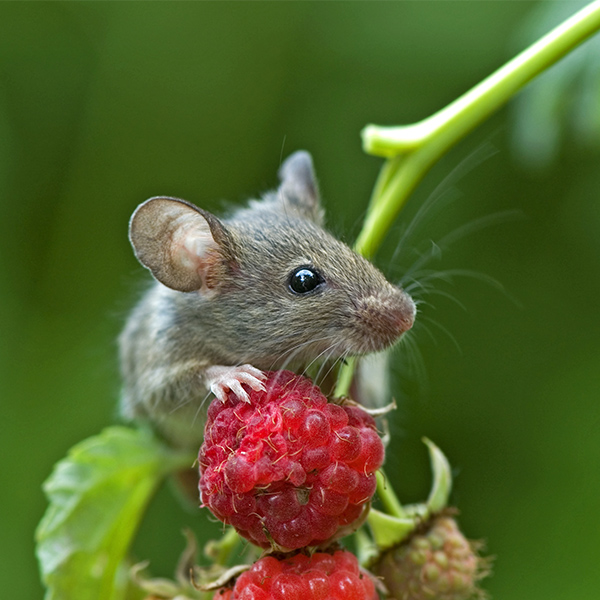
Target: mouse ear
column 185, row 247
column 299, row 189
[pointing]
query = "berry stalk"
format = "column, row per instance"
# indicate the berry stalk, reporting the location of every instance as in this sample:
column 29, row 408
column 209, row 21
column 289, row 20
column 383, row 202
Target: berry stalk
column 393, row 526
column 388, row 497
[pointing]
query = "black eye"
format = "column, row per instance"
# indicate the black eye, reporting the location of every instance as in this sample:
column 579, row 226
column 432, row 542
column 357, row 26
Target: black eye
column 304, row 280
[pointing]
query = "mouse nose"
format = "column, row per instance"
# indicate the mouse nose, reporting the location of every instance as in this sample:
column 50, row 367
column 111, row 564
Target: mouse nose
column 404, row 315
column 385, row 316
column 399, row 315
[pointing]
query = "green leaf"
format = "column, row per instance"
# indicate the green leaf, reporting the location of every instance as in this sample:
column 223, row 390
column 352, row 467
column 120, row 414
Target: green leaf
column 97, row 497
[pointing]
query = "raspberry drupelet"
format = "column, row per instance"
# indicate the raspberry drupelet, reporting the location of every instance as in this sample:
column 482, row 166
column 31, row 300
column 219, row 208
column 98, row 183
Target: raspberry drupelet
column 288, row 468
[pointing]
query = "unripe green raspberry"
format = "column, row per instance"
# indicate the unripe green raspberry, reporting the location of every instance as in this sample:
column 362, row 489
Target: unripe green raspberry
column 437, row 563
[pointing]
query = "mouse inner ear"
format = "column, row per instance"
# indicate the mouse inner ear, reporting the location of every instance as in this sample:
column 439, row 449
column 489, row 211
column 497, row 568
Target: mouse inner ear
column 299, row 190
column 183, row 246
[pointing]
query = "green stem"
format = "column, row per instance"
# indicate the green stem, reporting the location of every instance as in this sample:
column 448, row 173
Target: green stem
column 365, row 548
column 423, row 143
column 345, row 376
column 389, row 531
column 388, row 497
column 220, row 551
column 386, row 174
column 413, row 149
column 386, row 207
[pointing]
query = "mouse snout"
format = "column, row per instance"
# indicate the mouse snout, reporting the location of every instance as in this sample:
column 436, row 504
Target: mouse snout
column 403, row 317
column 398, row 312
column 385, row 316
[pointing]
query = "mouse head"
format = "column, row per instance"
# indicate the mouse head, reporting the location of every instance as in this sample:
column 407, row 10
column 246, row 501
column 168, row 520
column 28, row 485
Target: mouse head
column 286, row 283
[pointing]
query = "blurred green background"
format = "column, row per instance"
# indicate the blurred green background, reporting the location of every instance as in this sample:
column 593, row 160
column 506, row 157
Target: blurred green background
column 105, row 104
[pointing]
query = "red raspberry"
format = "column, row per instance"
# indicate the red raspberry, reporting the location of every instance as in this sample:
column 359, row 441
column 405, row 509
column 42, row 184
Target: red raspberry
column 288, row 467
column 318, row 577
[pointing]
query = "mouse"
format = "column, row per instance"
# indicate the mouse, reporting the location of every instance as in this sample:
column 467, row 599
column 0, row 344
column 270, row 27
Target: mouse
column 265, row 288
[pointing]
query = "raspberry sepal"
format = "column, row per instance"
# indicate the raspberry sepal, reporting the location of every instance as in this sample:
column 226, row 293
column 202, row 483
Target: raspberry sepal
column 396, row 524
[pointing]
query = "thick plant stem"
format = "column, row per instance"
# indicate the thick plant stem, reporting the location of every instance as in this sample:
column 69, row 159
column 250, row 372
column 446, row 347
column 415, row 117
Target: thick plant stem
column 422, row 144
column 413, row 149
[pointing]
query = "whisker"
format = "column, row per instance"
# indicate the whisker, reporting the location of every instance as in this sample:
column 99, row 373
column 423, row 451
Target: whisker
column 443, row 294
column 332, row 366
column 328, row 350
column 436, row 249
column 442, row 329
column 448, row 276
column 295, row 349
column 437, row 201
column 415, row 362
column 294, row 352
column 201, row 407
column 445, row 191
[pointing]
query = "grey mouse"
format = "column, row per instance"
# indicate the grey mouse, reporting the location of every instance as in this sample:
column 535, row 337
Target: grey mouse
column 265, row 288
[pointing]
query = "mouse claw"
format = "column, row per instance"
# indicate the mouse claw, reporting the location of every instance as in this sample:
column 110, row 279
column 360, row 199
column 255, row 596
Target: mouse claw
column 220, row 380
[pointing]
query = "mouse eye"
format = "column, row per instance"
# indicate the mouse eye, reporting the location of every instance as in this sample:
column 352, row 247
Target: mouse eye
column 304, row 280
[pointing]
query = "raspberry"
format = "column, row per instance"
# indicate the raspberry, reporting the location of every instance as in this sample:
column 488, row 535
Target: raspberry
column 318, row 577
column 437, row 564
column 288, row 467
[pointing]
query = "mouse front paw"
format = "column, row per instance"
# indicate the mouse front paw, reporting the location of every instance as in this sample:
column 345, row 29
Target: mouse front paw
column 220, row 380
